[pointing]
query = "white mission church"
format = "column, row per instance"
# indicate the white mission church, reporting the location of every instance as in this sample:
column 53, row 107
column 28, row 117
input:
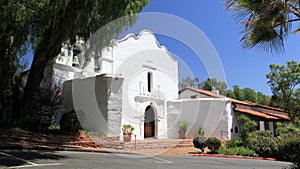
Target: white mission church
column 135, row 82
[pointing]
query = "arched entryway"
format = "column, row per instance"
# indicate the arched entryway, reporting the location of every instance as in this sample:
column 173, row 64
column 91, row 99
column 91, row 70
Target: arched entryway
column 149, row 122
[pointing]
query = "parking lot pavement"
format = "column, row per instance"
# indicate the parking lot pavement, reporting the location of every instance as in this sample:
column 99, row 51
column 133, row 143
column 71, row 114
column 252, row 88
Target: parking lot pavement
column 71, row 159
column 28, row 159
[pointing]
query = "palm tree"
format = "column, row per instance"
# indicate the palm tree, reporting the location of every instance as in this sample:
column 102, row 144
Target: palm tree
column 266, row 22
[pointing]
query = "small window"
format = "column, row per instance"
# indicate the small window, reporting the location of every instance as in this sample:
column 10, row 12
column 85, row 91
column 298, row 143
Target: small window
column 193, row 96
column 267, row 126
column 236, row 129
column 150, row 81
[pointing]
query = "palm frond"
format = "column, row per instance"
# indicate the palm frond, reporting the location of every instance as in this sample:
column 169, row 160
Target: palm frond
column 266, row 22
column 296, row 31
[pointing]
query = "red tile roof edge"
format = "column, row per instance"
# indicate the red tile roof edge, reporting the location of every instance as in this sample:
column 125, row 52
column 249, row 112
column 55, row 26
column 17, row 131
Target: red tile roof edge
column 209, row 93
column 256, row 113
column 279, row 115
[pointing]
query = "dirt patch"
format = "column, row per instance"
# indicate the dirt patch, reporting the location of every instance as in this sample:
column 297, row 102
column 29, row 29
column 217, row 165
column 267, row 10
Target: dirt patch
column 180, row 151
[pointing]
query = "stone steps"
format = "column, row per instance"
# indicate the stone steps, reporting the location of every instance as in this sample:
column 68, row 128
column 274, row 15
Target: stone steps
column 146, row 144
column 30, row 138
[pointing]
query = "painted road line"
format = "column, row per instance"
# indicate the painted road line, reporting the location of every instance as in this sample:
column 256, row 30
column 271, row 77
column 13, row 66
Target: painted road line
column 17, row 158
column 36, row 165
column 162, row 161
column 31, row 163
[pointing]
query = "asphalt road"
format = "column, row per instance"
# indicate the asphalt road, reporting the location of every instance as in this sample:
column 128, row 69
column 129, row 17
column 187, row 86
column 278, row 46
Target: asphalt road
column 71, row 159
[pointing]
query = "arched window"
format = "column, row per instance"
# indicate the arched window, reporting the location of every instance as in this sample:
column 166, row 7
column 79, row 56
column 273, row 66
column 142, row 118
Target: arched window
column 150, row 81
column 236, row 130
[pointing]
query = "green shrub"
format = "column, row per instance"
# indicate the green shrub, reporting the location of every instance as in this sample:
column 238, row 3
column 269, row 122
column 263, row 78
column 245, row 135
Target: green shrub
column 44, row 110
column 260, row 133
column 247, row 126
column 289, row 148
column 95, row 133
column 199, row 143
column 263, row 144
column 201, row 131
column 54, row 127
column 235, row 142
column 70, row 122
column 287, row 129
column 213, row 144
column 291, row 151
column 242, row 151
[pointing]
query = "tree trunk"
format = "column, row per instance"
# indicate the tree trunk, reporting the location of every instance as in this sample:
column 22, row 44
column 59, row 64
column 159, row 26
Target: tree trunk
column 42, row 57
column 46, row 51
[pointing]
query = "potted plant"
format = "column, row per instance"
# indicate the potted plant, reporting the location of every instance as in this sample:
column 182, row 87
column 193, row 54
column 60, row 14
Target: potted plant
column 82, row 133
column 201, row 131
column 182, row 126
column 127, row 132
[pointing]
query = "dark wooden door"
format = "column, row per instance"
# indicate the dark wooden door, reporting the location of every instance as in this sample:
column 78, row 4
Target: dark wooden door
column 149, row 123
column 149, row 129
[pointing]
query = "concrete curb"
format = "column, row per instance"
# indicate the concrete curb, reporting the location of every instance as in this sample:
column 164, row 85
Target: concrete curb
column 233, row 156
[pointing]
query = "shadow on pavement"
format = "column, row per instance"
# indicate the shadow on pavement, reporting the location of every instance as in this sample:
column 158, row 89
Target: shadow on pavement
column 9, row 158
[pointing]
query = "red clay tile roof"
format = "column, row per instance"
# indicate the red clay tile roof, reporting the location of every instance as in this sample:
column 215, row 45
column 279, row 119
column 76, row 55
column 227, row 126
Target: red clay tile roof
column 209, row 93
column 286, row 117
column 256, row 113
column 266, row 115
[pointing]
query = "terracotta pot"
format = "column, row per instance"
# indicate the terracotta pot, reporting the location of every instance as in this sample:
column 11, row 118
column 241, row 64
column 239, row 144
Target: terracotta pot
column 82, row 134
column 181, row 135
column 127, row 137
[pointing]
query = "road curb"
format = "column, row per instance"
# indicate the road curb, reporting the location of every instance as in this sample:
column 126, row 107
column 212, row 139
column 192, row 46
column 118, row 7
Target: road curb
column 233, row 156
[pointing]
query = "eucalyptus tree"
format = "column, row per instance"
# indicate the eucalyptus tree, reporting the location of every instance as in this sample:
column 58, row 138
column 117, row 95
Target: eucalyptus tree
column 48, row 24
column 13, row 45
column 209, row 84
column 190, row 82
column 249, row 94
column 284, row 81
column 229, row 93
column 262, row 99
column 214, row 84
column 60, row 21
column 266, row 23
column 238, row 93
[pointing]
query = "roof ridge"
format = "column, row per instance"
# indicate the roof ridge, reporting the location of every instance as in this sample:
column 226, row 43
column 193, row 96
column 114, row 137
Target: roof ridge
column 210, row 93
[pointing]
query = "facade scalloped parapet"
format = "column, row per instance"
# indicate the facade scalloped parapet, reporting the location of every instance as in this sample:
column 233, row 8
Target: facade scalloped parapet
column 137, row 37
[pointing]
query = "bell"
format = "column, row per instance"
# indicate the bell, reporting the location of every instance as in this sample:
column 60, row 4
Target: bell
column 96, row 68
column 75, row 61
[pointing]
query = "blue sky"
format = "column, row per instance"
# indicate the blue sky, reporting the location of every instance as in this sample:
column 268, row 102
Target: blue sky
column 246, row 68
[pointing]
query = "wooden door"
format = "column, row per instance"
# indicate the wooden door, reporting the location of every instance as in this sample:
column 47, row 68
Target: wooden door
column 149, row 129
column 149, row 122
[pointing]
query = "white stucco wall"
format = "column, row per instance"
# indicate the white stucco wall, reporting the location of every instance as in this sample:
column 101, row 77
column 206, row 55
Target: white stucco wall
column 94, row 97
column 132, row 59
column 83, row 98
column 236, row 126
column 211, row 114
column 214, row 114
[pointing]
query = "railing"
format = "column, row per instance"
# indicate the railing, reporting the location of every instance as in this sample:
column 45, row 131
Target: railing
column 134, row 141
